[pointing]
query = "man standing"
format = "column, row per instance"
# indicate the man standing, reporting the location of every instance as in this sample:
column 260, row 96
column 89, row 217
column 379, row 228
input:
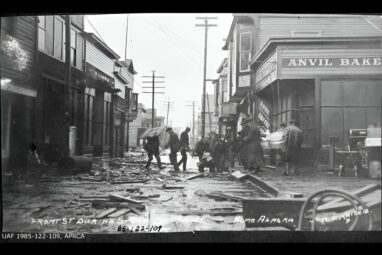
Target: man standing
column 243, row 146
column 294, row 139
column 152, row 148
column 173, row 143
column 254, row 150
column 280, row 152
column 184, row 147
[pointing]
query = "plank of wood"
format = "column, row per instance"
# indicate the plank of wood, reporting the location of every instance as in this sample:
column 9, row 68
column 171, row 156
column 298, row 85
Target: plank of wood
column 118, row 205
column 119, row 197
column 293, row 194
column 129, row 181
column 165, row 186
column 105, row 213
column 90, row 179
column 132, row 189
column 194, row 177
column 262, row 185
column 119, row 213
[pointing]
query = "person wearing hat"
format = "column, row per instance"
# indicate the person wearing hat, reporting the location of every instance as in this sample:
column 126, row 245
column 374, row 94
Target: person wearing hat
column 184, row 147
column 174, row 145
column 280, row 152
column 152, row 149
column 254, row 150
column 294, row 139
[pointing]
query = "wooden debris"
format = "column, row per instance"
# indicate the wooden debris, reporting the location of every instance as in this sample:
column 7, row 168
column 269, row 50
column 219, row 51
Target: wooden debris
column 212, row 213
column 118, row 205
column 90, row 179
column 132, row 189
column 159, row 179
column 119, row 197
column 262, row 185
column 238, row 175
column 119, row 213
column 105, row 213
column 165, row 186
column 128, row 181
column 293, row 194
column 135, row 211
column 194, row 177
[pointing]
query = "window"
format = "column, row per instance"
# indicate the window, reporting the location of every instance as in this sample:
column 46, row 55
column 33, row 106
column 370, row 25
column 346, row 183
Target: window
column 134, row 102
column 127, row 96
column 59, row 35
column 89, row 116
column 225, row 92
column 73, row 47
column 41, row 32
column 245, row 50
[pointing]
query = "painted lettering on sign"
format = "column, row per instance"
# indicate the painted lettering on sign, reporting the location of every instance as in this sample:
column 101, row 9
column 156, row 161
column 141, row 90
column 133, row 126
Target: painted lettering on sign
column 331, row 62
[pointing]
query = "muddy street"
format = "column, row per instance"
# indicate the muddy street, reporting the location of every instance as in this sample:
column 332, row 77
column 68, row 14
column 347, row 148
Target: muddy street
column 121, row 193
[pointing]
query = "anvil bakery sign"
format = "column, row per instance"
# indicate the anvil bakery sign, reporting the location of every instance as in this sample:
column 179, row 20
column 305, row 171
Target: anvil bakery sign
column 331, row 62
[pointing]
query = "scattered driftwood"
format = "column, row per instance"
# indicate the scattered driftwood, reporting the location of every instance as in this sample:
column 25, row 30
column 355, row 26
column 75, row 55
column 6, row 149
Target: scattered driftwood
column 119, row 213
column 118, row 205
column 105, row 213
column 194, row 177
column 119, row 197
column 165, row 186
column 128, row 181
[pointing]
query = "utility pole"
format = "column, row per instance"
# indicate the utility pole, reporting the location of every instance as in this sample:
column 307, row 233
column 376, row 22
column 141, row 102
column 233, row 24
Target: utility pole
column 68, row 83
column 153, row 93
column 193, row 120
column 127, row 29
column 206, row 26
column 169, row 106
column 209, row 112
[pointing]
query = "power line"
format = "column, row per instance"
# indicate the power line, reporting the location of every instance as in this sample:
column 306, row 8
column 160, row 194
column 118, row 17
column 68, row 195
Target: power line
column 95, row 29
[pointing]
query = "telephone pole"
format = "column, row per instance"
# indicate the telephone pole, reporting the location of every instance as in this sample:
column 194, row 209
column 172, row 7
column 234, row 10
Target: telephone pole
column 206, row 26
column 193, row 119
column 170, row 107
column 153, row 93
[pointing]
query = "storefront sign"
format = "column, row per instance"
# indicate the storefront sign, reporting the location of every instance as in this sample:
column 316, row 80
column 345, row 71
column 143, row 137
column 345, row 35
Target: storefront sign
column 267, row 73
column 263, row 115
column 331, row 62
column 97, row 74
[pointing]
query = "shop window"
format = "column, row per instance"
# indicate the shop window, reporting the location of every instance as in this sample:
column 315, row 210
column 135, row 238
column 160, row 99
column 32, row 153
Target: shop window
column 354, row 93
column 127, row 96
column 354, row 118
column 5, row 122
column 331, row 93
column 332, row 124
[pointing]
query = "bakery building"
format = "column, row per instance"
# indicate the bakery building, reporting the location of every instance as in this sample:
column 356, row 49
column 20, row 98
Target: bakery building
column 329, row 85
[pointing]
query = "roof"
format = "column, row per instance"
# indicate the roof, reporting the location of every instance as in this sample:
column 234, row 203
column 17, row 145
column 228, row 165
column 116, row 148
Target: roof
column 129, row 64
column 272, row 43
column 222, row 65
column 233, row 24
column 101, row 45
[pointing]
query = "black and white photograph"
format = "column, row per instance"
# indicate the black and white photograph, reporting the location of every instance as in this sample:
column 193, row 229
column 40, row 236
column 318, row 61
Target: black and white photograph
column 126, row 125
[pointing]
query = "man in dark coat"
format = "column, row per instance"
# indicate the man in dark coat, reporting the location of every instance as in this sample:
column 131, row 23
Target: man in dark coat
column 242, row 145
column 152, row 148
column 173, row 143
column 294, row 139
column 184, row 147
column 254, row 151
column 202, row 150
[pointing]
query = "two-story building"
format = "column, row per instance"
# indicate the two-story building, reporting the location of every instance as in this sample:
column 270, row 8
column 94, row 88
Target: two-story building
column 322, row 70
column 19, row 87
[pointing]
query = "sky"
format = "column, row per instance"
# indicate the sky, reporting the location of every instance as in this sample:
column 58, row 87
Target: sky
column 172, row 46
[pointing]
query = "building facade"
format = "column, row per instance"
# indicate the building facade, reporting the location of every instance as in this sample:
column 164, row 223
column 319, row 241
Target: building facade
column 322, row 70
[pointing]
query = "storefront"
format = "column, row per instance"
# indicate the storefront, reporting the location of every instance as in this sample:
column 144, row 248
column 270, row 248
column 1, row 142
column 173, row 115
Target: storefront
column 329, row 86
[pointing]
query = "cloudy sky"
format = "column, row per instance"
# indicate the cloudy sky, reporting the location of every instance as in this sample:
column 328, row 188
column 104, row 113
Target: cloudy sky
column 171, row 45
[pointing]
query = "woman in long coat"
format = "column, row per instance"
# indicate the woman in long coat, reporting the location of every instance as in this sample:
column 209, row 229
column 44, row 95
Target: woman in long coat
column 254, row 150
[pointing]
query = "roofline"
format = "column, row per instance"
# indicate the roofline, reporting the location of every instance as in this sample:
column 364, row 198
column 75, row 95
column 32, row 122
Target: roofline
column 102, row 44
column 222, row 65
column 283, row 40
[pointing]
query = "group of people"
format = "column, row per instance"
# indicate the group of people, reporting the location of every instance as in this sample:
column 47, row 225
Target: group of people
column 174, row 143
column 218, row 152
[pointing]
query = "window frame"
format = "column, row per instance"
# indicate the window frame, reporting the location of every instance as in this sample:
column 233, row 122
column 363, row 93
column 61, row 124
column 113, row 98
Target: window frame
column 38, row 33
column 240, row 51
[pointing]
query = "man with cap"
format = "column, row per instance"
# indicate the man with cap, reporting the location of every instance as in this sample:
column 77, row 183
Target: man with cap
column 294, row 139
column 280, row 152
column 174, row 145
column 184, row 147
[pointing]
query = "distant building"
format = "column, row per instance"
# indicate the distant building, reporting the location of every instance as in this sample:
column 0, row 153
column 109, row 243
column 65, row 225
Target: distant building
column 136, row 129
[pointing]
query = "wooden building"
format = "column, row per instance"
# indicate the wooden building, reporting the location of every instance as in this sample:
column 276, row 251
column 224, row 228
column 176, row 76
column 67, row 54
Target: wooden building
column 19, row 88
column 323, row 70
